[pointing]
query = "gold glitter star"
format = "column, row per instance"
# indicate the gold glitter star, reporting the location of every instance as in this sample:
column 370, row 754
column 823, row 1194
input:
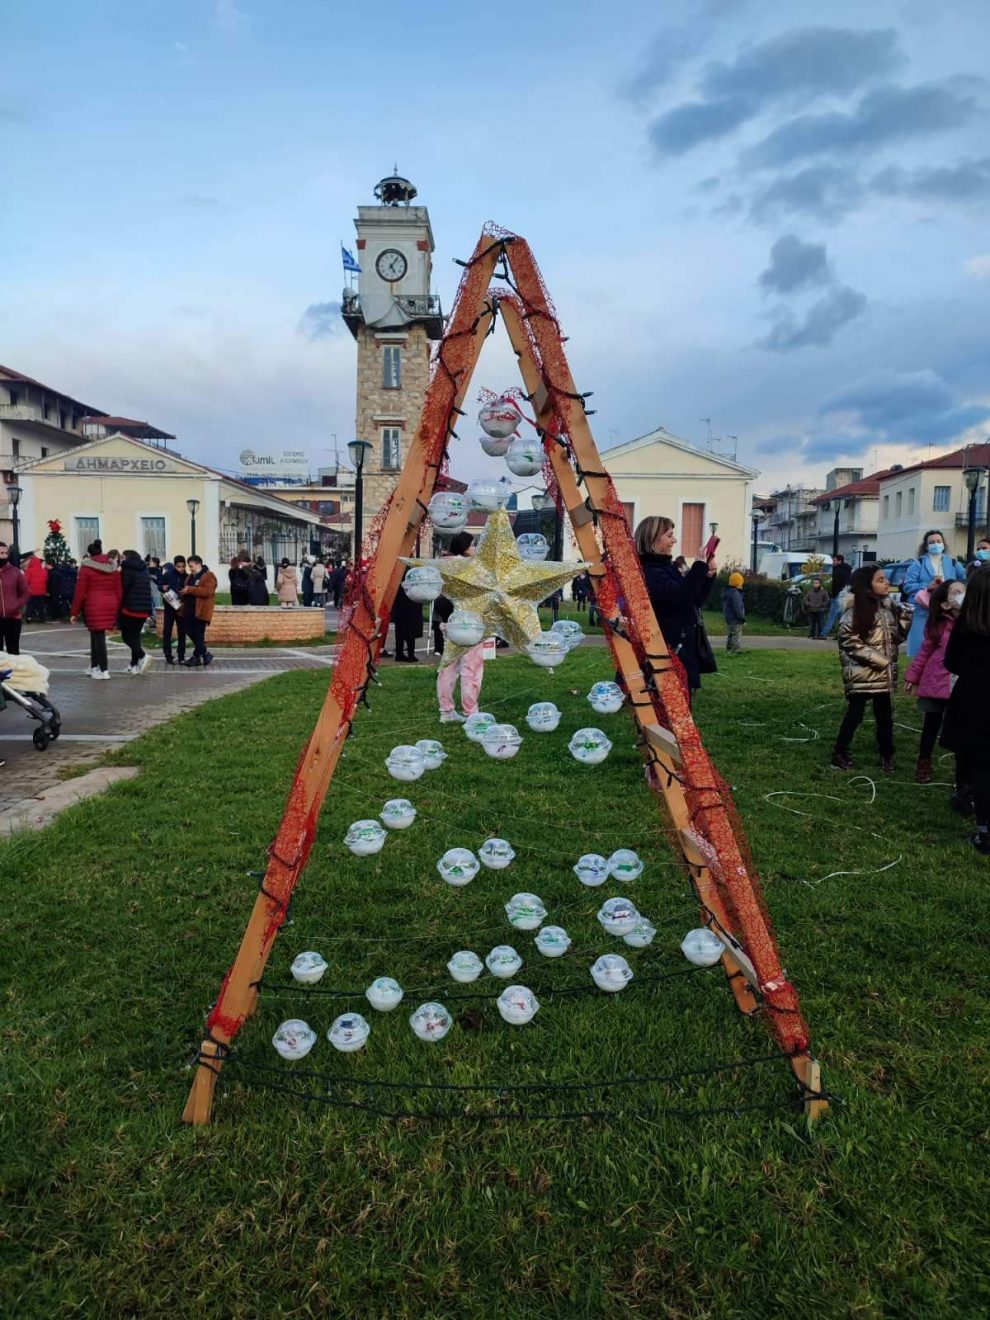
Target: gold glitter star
column 500, row 585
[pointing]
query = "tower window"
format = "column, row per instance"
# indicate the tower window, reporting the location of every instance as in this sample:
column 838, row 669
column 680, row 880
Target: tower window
column 392, row 367
column 391, row 454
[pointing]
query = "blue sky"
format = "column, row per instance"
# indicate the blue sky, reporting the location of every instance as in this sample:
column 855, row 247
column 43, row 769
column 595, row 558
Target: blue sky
column 774, row 216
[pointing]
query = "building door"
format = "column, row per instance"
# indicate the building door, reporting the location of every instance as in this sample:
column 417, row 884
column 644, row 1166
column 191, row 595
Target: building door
column 692, row 530
column 87, row 530
column 153, row 537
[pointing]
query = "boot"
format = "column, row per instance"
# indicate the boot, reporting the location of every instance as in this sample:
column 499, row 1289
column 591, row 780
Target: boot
column 981, row 842
column 923, row 770
column 841, row 760
column 887, row 765
column 962, row 800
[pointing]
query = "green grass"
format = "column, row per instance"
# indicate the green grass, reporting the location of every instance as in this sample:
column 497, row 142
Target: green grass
column 119, row 920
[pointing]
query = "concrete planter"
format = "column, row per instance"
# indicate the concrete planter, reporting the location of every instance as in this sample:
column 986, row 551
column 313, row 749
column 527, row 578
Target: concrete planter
column 244, row 624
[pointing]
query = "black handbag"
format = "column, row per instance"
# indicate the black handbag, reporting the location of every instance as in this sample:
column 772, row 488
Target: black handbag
column 706, row 656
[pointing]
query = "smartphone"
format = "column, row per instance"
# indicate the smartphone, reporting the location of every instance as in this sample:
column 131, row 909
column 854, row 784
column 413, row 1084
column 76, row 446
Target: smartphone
column 711, row 545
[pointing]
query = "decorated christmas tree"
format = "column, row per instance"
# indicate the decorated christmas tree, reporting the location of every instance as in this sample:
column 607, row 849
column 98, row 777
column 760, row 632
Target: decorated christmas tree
column 56, row 550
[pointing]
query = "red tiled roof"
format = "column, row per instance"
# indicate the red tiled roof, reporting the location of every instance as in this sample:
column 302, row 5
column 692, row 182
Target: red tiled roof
column 865, row 486
column 11, row 374
column 968, row 456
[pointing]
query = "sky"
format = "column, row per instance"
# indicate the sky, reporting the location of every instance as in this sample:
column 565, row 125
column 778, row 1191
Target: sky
column 773, row 216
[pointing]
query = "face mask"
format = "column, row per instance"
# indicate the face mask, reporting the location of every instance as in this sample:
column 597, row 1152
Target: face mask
column 983, row 554
column 957, row 600
column 935, row 547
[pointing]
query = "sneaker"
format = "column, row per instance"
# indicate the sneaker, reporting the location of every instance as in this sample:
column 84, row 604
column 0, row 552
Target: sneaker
column 103, row 674
column 923, row 770
column 841, row 760
column 451, row 717
column 192, row 663
column 887, row 765
column 131, row 669
column 170, row 660
column 208, row 659
column 981, row 842
column 962, row 801
column 144, row 664
column 93, row 671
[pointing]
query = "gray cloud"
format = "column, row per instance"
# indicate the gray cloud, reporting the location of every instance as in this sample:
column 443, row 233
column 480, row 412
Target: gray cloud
column 805, row 62
column 673, row 47
column 320, row 320
column 824, row 192
column 688, row 125
column 904, row 406
column 831, row 445
column 820, row 323
column 966, row 181
column 794, row 265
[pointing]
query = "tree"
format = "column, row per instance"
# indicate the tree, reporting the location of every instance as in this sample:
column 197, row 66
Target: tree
column 813, row 566
column 56, row 549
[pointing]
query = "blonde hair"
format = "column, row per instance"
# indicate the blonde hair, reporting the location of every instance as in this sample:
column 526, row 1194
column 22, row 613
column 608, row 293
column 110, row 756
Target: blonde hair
column 647, row 531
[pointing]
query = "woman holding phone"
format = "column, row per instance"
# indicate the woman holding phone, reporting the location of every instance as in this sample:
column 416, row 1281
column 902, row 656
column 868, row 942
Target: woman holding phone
column 677, row 599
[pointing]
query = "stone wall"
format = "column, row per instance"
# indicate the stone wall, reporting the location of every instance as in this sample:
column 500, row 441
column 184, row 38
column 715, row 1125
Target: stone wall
column 378, row 407
column 233, row 624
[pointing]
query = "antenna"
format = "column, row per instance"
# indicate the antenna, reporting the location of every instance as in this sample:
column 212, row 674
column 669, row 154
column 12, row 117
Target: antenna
column 708, row 422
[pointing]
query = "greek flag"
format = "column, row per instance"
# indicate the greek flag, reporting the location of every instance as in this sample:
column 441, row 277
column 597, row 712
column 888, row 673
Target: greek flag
column 349, row 262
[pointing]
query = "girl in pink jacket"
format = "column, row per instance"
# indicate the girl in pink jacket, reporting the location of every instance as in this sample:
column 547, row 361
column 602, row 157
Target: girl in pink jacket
column 927, row 674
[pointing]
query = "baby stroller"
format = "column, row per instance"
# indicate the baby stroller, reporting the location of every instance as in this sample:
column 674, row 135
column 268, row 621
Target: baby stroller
column 24, row 683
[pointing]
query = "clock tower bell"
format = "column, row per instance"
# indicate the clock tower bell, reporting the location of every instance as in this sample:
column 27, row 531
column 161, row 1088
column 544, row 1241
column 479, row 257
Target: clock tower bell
column 393, row 316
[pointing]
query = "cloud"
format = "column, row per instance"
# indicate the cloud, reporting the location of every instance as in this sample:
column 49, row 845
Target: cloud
column 824, row 192
column 966, row 181
column 819, row 325
column 673, row 47
column 686, row 126
column 830, row 445
column 978, row 267
column 228, row 17
column 918, row 406
column 320, row 320
column 794, row 265
column 805, row 62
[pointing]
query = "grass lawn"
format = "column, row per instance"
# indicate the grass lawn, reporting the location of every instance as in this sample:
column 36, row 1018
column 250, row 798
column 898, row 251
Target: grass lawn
column 119, row 921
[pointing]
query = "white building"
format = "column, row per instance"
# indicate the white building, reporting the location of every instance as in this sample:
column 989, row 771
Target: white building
column 855, row 503
column 930, row 496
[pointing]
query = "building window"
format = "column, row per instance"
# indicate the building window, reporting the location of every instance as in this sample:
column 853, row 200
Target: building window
column 391, row 453
column 392, row 367
column 44, row 451
column 940, row 504
column 898, row 503
column 153, row 537
column 62, row 418
column 15, row 447
column 87, row 530
column 886, row 508
column 911, row 500
column 14, row 397
column 692, row 529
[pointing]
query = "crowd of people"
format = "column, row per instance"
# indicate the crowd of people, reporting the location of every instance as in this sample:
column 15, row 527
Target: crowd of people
column 317, row 581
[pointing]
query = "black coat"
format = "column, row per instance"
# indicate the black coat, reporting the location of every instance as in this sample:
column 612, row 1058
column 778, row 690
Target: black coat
column 257, row 586
column 407, row 615
column 676, row 600
column 966, row 726
column 135, row 587
column 841, row 574
column 240, row 593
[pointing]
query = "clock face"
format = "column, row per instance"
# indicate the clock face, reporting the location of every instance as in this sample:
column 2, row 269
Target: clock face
column 391, row 265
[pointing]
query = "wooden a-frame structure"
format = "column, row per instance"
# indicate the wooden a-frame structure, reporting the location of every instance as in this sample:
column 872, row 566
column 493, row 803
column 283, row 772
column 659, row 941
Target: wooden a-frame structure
column 698, row 804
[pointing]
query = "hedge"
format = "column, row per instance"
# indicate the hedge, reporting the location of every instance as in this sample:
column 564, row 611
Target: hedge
column 764, row 597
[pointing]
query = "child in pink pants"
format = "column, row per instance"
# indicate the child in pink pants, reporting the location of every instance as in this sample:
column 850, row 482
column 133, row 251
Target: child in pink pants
column 470, row 669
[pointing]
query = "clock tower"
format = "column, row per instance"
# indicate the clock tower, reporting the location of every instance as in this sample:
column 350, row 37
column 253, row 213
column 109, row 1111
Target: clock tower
column 393, row 316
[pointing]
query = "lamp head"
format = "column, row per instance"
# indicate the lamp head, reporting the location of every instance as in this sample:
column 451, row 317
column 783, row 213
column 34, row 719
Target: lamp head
column 972, row 476
column 192, row 506
column 14, row 494
column 358, row 450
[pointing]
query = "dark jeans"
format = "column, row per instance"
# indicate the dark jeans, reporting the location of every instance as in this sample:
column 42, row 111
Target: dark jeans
column 196, row 629
column 973, row 770
column 405, row 645
column 37, row 610
column 177, row 621
column 10, row 636
column 98, row 651
column 931, row 727
column 883, row 714
column 815, row 620
column 130, row 631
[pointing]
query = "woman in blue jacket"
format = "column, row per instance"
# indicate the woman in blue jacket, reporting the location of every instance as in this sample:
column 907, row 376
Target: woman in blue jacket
column 676, row 598
column 932, row 566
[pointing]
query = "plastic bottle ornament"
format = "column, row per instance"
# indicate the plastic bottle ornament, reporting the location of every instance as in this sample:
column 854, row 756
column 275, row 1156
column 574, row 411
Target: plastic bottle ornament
column 543, row 716
column 618, row 916
column 499, row 418
column 591, row 869
column 589, row 746
column 606, row 698
column 701, row 947
column 641, row 935
column 465, row 628
column 503, row 961
column 525, row 911
column 384, row 994
column 489, row 495
column 433, row 753
column 431, row 1021
column 533, row 545
column 365, row 837
column 570, row 630
column 405, row 763
column 611, row 972
column 307, row 968
column 524, row 456
column 422, row 584
column 496, row 854
column 458, row 866
column 501, row 741
column 478, row 724
column 294, row 1039
column 547, row 650
column 553, row 941
column 348, row 1032
column 496, row 446
column 449, row 510
column 625, row 865
column 465, row 966
column 398, row 813
column 518, row 1005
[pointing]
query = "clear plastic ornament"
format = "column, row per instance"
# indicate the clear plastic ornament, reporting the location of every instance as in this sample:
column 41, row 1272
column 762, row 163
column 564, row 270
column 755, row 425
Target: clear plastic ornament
column 543, row 716
column 465, row 966
column 496, row 854
column 570, row 630
column 618, row 916
column 591, row 869
column 489, row 495
column 449, row 510
column 589, row 746
column 553, row 941
column 525, row 911
column 642, row 934
column 518, row 1005
column 701, row 947
column 465, row 628
column 365, row 837
column 398, row 813
column 458, row 866
column 501, row 741
column 431, row 1021
column 384, row 994
column 348, row 1032
column 524, row 456
column 405, row 763
column 625, row 865
column 294, row 1039
column 611, row 972
column 308, row 968
column 496, row 446
column 605, row 698
column 547, row 650
column 532, row 545
column 478, row 724
column 503, row 961
column 433, row 753
column 499, row 418
column 422, row 584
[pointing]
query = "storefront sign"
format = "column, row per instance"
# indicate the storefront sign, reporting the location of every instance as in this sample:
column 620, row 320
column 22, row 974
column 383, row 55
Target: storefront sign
column 125, row 466
column 289, row 466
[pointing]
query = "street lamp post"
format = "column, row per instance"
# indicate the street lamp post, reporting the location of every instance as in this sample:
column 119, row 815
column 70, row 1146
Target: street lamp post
column 972, row 476
column 192, row 506
column 835, row 529
column 14, row 496
column 358, row 450
column 542, row 504
column 756, row 515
